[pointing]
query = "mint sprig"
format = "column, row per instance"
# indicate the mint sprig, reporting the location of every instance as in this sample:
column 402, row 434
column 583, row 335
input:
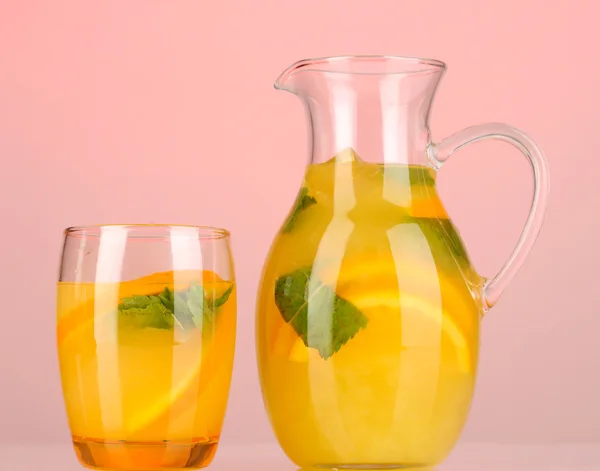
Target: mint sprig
column 322, row 319
column 303, row 201
column 187, row 309
column 145, row 311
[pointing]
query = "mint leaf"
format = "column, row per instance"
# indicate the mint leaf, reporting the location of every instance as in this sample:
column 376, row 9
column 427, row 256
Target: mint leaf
column 322, row 319
column 198, row 305
column 145, row 311
column 441, row 233
column 182, row 312
column 188, row 309
column 303, row 201
column 167, row 298
column 448, row 250
column 223, row 298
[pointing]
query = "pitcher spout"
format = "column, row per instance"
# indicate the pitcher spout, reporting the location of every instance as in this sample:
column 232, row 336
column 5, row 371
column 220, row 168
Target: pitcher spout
column 284, row 81
column 378, row 106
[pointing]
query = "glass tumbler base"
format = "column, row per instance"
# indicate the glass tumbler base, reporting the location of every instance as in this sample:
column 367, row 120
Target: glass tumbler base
column 146, row 456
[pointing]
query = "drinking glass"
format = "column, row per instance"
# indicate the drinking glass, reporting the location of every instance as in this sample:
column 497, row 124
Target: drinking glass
column 146, row 320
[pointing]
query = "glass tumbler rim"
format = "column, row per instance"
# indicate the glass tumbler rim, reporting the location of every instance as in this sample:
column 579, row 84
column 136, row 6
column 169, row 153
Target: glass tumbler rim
column 149, row 231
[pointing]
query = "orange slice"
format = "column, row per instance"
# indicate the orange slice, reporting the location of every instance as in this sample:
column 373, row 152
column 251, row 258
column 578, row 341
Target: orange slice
column 99, row 301
column 185, row 391
column 371, row 283
column 422, row 311
column 87, row 310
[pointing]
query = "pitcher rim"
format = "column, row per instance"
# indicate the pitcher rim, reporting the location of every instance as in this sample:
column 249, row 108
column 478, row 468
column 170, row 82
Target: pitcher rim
column 429, row 65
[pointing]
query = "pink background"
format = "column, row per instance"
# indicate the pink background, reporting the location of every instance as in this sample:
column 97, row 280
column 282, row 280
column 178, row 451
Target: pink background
column 158, row 111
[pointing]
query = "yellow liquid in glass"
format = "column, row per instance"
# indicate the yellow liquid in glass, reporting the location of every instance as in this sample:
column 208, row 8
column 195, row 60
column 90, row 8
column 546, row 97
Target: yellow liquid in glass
column 398, row 391
column 143, row 398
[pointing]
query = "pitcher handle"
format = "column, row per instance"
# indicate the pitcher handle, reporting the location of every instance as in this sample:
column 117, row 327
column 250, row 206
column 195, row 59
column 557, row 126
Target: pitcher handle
column 439, row 153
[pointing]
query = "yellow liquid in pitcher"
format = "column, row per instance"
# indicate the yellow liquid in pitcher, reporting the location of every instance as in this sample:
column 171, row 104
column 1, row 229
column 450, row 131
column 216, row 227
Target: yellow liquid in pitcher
column 368, row 320
column 140, row 396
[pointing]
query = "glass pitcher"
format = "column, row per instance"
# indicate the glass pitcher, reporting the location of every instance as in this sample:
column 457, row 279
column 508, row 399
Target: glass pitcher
column 369, row 309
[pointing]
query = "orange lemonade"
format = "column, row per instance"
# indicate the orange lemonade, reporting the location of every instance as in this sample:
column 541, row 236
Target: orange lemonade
column 368, row 319
column 146, row 367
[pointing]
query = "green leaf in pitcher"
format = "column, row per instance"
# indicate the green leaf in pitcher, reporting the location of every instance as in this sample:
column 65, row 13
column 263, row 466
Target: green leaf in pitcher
column 322, row 319
column 450, row 252
column 303, row 201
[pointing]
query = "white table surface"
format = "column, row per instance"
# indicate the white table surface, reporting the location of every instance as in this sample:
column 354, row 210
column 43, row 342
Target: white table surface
column 268, row 457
